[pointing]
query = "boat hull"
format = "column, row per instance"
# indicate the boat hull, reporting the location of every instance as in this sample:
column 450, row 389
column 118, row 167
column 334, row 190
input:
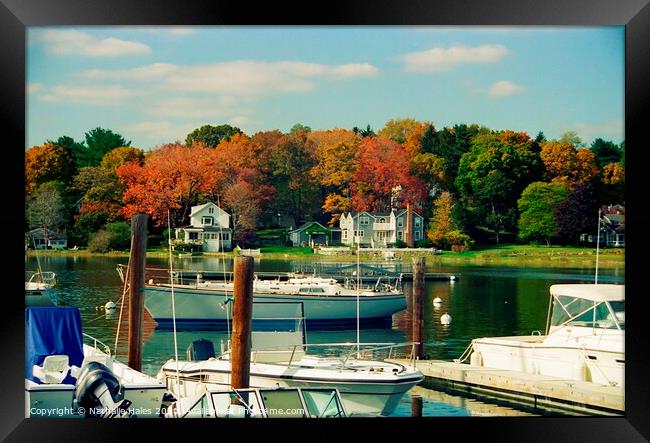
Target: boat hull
column 569, row 361
column 361, row 396
column 199, row 307
column 57, row 400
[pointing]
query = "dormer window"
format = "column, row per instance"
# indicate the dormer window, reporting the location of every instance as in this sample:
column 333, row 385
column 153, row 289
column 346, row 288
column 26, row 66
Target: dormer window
column 207, row 221
column 400, row 222
column 417, row 222
column 364, row 220
column 210, row 210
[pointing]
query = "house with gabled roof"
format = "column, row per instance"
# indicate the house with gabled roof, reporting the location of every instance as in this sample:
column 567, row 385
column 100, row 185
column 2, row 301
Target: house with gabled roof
column 313, row 233
column 209, row 227
column 378, row 230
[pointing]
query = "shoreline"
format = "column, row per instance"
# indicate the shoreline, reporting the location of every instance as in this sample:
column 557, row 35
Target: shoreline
column 511, row 256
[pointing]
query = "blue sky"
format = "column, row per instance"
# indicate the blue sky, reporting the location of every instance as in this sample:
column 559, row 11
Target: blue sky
column 155, row 84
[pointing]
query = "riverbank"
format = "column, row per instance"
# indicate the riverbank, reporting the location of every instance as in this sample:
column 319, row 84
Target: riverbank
column 503, row 255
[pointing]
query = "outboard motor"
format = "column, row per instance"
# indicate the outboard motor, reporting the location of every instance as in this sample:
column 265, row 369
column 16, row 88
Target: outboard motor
column 200, row 350
column 100, row 393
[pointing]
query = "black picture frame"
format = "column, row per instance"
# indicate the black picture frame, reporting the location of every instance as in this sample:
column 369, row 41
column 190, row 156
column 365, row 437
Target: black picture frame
column 16, row 15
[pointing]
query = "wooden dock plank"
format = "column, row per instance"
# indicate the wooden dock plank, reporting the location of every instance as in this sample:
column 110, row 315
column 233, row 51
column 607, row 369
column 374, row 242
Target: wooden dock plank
column 540, row 389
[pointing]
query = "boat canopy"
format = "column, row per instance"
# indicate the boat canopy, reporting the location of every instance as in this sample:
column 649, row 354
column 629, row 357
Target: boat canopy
column 592, row 292
column 52, row 331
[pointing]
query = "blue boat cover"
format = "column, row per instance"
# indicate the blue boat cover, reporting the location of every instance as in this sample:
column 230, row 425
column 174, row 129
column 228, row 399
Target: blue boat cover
column 52, row 331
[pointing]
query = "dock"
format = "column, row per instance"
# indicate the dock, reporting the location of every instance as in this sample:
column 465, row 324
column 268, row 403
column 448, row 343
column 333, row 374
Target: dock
column 534, row 392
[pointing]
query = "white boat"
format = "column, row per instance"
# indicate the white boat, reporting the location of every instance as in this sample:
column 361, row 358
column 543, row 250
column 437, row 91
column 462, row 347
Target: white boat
column 260, row 403
column 40, row 289
column 325, row 301
column 367, row 387
column 585, row 337
column 62, row 374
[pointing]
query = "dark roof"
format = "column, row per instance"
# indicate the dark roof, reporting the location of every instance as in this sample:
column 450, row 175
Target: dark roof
column 309, row 224
column 40, row 233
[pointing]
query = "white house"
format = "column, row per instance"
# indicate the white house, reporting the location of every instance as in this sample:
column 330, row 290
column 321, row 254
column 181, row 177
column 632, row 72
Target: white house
column 209, row 227
column 381, row 229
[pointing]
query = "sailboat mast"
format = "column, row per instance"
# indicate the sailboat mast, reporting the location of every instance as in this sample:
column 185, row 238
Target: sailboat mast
column 171, row 270
column 358, row 281
column 597, row 247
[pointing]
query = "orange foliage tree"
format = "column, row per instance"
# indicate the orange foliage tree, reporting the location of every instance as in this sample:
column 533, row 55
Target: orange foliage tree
column 383, row 166
column 174, row 177
column 47, row 163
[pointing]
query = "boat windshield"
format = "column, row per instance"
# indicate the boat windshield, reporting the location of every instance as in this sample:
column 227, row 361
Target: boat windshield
column 587, row 313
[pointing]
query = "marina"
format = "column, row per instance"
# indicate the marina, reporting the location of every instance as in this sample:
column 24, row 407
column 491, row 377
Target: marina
column 487, row 301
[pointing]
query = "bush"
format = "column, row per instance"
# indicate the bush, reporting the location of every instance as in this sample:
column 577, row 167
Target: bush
column 120, row 235
column 400, row 244
column 423, row 244
column 100, row 241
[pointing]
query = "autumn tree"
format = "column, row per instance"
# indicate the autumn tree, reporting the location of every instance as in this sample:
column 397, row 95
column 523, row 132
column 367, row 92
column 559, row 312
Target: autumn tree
column 211, row 136
column 336, row 154
column 564, row 163
column 173, row 177
column 384, row 165
column 443, row 230
column 537, row 206
column 47, row 163
column 399, row 129
column 119, row 156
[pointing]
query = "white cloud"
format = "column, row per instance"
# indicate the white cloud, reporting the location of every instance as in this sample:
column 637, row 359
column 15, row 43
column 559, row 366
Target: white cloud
column 35, row 88
column 504, row 88
column 91, row 95
column 195, row 107
column 159, row 131
column 239, row 78
column 354, row 70
column 179, row 30
column 443, row 59
column 608, row 129
column 240, row 121
column 73, row 42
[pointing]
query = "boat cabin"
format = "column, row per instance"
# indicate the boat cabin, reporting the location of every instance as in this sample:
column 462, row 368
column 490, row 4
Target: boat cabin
column 587, row 305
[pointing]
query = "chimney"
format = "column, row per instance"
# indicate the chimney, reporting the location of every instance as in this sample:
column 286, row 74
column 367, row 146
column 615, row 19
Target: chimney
column 408, row 234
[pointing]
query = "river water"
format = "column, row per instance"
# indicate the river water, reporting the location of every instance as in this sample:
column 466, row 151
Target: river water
column 483, row 301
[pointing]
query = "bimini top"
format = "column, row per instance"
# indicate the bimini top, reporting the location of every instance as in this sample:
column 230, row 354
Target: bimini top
column 593, row 292
column 52, row 331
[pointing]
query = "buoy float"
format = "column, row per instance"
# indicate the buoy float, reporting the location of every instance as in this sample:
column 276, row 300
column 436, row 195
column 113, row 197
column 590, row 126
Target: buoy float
column 476, row 359
column 445, row 319
column 437, row 301
column 110, row 306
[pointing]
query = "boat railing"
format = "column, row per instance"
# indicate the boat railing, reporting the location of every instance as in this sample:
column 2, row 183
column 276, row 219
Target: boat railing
column 361, row 350
column 48, row 277
column 106, row 350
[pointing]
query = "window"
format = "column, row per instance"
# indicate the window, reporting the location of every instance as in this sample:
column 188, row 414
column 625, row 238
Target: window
column 345, row 234
column 399, row 235
column 364, row 220
column 206, row 221
column 382, row 220
column 210, row 210
column 358, row 234
column 417, row 222
column 417, row 235
column 400, row 222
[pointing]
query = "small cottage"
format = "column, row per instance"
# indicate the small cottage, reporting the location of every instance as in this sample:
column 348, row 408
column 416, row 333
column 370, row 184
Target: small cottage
column 209, row 227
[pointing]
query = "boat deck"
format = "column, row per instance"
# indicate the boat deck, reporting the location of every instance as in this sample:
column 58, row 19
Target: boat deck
column 551, row 394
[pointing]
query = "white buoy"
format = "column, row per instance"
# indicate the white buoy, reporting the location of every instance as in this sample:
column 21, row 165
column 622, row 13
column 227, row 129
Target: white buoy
column 445, row 319
column 452, row 279
column 110, row 306
column 437, row 301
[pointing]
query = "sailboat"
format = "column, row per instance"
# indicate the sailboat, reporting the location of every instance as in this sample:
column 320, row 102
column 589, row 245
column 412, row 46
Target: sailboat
column 281, row 359
column 40, row 286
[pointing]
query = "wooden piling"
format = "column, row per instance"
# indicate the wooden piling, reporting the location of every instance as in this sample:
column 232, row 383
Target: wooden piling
column 417, row 313
column 242, row 321
column 136, row 289
column 416, row 406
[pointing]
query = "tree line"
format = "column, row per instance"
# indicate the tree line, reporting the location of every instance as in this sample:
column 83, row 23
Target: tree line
column 471, row 182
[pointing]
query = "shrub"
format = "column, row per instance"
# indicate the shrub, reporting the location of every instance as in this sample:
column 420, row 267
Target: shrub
column 100, row 241
column 120, row 235
column 400, row 244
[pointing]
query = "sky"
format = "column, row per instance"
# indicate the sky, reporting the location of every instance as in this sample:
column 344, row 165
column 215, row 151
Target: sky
column 155, row 84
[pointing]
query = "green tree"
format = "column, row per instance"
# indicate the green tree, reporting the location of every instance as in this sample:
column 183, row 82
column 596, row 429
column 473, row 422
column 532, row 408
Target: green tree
column 571, row 137
column 99, row 141
column 538, row 205
column 606, row 152
column 211, row 136
column 577, row 214
column 298, row 127
column 46, row 209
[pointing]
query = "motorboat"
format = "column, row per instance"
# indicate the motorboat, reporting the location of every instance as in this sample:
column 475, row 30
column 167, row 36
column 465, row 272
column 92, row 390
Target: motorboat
column 260, row 403
column 584, row 338
column 40, row 289
column 201, row 303
column 368, row 386
column 65, row 377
